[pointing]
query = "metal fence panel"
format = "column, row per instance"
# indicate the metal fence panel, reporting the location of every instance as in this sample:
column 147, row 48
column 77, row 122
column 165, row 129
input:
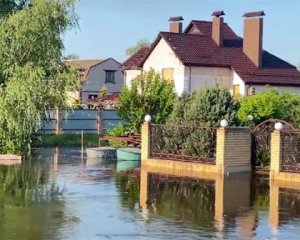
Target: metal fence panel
column 85, row 120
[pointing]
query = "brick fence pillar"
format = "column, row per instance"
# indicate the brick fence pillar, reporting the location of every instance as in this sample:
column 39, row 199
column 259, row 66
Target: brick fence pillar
column 145, row 145
column 276, row 152
column 233, row 150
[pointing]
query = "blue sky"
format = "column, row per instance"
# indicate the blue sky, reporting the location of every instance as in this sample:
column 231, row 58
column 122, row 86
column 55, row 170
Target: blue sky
column 109, row 27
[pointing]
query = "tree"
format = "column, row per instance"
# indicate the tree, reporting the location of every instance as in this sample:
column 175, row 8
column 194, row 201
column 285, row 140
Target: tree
column 9, row 6
column 71, row 56
column 32, row 76
column 139, row 45
column 148, row 94
column 192, row 123
column 206, row 106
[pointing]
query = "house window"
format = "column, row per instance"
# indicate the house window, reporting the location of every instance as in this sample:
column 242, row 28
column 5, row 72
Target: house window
column 109, row 76
column 93, row 96
column 168, row 74
column 236, row 90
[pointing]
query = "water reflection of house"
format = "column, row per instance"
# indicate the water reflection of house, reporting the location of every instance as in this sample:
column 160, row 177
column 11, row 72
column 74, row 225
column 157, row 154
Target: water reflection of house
column 94, row 75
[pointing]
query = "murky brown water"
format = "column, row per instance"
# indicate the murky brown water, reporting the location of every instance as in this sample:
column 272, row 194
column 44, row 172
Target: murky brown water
column 59, row 195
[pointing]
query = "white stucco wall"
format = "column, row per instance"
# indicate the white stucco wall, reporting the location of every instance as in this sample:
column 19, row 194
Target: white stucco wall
column 236, row 80
column 96, row 79
column 201, row 77
column 131, row 74
column 164, row 57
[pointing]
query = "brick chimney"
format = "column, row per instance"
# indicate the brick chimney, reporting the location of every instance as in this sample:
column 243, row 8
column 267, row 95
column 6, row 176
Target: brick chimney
column 176, row 24
column 253, row 36
column 217, row 27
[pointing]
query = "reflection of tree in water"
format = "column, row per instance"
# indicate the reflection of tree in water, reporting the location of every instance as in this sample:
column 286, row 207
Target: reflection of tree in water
column 128, row 185
column 29, row 204
column 28, row 180
column 260, row 192
column 289, row 204
column 184, row 199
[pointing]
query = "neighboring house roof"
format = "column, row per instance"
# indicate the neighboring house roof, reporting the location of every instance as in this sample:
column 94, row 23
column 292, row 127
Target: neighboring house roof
column 82, row 64
column 195, row 47
column 135, row 60
column 86, row 65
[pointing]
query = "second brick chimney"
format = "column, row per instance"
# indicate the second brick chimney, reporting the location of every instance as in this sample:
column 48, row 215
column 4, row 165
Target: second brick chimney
column 176, row 24
column 253, row 36
column 217, row 27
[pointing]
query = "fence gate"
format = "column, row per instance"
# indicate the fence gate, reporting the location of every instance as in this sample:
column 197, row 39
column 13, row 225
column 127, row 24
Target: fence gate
column 261, row 140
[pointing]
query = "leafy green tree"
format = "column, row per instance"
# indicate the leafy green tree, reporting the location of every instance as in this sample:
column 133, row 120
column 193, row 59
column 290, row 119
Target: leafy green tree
column 9, row 6
column 271, row 104
column 139, row 45
column 148, row 94
column 32, row 76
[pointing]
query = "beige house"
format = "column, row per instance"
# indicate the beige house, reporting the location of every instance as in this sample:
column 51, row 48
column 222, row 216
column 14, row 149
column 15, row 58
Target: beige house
column 94, row 75
column 210, row 52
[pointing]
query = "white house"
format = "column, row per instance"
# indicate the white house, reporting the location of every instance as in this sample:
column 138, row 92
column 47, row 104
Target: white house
column 206, row 53
column 95, row 74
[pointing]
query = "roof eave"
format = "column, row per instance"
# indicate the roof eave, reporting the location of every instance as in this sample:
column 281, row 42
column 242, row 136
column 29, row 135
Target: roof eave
column 282, row 84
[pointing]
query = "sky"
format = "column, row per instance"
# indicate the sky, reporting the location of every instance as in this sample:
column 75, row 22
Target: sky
column 108, row 27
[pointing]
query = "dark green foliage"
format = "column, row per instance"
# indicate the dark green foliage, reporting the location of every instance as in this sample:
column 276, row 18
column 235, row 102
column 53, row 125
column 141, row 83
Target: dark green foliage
column 180, row 107
column 148, row 94
column 204, row 109
column 66, row 140
column 209, row 106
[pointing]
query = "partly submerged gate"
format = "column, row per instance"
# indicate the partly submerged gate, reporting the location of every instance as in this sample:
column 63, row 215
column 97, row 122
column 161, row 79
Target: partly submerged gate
column 261, row 140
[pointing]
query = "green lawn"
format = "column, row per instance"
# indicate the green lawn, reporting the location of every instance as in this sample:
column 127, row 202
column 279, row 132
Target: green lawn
column 66, row 140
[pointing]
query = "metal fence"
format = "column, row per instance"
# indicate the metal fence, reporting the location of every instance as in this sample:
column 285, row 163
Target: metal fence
column 290, row 151
column 183, row 143
column 75, row 121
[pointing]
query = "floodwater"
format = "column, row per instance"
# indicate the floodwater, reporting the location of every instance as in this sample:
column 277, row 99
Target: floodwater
column 60, row 194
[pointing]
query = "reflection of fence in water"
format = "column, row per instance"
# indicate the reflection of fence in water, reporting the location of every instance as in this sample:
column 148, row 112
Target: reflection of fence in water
column 290, row 151
column 183, row 142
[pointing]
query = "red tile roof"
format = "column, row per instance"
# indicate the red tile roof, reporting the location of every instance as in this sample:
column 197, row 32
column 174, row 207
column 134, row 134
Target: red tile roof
column 135, row 60
column 82, row 64
column 200, row 50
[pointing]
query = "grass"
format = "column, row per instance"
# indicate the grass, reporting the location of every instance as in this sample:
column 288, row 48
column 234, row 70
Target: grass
column 66, row 140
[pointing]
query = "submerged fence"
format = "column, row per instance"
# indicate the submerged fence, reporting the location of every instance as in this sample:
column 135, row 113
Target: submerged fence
column 75, row 121
column 290, row 151
column 184, row 143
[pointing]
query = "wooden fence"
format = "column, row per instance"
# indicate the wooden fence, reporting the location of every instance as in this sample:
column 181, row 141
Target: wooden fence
column 75, row 121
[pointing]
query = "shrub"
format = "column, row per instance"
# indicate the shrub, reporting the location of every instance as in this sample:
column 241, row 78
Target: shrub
column 205, row 107
column 148, row 94
column 118, row 131
column 271, row 104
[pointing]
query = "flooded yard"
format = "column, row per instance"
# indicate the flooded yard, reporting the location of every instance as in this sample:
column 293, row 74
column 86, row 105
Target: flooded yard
column 59, row 194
